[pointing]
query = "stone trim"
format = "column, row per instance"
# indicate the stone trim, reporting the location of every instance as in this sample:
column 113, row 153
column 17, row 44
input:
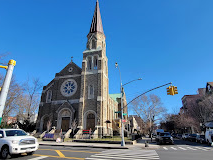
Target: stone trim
column 48, row 87
column 62, row 101
column 81, row 99
column 67, row 76
column 99, row 98
column 92, row 50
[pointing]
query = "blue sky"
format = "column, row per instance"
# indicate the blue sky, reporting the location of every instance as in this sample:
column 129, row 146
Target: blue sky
column 159, row 41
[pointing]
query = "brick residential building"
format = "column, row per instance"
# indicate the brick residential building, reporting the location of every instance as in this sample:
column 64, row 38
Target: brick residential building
column 82, row 94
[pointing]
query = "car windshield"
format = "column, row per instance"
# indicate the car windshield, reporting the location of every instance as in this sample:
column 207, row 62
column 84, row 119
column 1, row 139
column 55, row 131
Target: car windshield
column 165, row 134
column 10, row 133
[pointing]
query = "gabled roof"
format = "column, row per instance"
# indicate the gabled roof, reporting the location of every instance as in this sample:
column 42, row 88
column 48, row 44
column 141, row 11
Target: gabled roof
column 96, row 25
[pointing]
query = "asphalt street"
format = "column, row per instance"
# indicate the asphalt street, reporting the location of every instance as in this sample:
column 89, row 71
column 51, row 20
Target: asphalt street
column 182, row 150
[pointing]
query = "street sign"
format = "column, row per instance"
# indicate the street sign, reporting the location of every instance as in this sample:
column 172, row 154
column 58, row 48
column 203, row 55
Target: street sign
column 118, row 112
column 124, row 114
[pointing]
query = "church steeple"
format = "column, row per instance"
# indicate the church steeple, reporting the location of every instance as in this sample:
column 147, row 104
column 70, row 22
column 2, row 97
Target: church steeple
column 96, row 25
column 96, row 37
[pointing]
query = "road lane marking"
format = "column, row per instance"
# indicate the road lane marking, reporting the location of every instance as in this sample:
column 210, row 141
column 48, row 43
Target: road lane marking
column 68, row 150
column 173, row 148
column 37, row 158
column 60, row 154
column 59, row 157
column 182, row 148
column 191, row 148
column 165, row 148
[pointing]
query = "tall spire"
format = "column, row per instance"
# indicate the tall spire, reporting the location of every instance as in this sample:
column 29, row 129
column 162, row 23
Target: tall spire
column 96, row 25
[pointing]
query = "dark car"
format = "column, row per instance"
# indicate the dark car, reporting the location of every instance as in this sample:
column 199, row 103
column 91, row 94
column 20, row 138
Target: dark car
column 192, row 137
column 174, row 135
column 200, row 139
column 179, row 136
column 165, row 137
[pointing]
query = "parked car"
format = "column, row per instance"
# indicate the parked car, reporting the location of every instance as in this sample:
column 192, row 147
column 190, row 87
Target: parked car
column 200, row 139
column 157, row 132
column 165, row 137
column 192, row 137
column 174, row 135
column 185, row 136
column 16, row 141
column 179, row 136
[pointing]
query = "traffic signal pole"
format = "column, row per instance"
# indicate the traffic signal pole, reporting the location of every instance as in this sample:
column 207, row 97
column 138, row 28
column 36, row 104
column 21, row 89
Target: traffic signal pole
column 6, row 85
column 148, row 91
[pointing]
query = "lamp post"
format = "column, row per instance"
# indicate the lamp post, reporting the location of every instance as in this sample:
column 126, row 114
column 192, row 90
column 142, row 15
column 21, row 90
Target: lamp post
column 122, row 108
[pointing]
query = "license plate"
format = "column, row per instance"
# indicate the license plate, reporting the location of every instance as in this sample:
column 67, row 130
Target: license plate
column 28, row 150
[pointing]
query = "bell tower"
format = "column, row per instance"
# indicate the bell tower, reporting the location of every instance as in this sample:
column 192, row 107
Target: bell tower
column 93, row 104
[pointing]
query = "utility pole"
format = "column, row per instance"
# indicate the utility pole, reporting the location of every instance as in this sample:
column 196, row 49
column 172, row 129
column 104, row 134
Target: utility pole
column 6, row 85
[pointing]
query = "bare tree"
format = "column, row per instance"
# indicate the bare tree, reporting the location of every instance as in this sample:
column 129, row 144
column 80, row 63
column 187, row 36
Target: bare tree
column 32, row 96
column 149, row 108
column 74, row 124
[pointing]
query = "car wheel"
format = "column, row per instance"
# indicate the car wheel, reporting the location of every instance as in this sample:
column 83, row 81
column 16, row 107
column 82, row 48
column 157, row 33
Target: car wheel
column 30, row 153
column 4, row 152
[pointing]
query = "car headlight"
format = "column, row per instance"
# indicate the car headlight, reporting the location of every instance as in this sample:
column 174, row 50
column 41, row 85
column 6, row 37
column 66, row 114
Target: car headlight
column 171, row 138
column 15, row 141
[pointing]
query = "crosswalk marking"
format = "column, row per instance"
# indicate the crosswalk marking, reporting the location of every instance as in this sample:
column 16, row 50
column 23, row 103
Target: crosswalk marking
column 188, row 148
column 38, row 158
column 126, row 155
column 191, row 148
column 201, row 148
column 182, row 148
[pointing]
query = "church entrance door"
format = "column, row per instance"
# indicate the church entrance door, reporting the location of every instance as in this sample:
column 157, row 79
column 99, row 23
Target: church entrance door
column 90, row 122
column 65, row 124
column 45, row 121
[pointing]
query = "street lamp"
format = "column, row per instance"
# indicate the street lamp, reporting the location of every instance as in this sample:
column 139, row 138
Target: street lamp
column 122, row 108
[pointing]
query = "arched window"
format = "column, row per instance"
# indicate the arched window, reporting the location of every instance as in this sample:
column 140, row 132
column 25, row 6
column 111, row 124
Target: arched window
column 95, row 62
column 93, row 44
column 49, row 96
column 89, row 63
column 90, row 92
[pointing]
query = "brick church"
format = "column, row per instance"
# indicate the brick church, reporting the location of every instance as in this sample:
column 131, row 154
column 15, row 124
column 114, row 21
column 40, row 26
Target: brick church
column 81, row 95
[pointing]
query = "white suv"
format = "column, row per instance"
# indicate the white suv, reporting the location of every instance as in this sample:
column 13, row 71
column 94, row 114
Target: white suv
column 16, row 141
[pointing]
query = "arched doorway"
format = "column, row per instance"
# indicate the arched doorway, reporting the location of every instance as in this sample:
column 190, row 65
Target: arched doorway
column 64, row 119
column 43, row 123
column 90, row 121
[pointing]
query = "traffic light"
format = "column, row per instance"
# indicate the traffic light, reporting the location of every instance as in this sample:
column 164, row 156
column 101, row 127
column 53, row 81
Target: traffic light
column 170, row 90
column 175, row 91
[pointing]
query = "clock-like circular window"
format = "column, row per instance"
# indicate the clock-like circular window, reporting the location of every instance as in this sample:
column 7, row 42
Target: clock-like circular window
column 68, row 87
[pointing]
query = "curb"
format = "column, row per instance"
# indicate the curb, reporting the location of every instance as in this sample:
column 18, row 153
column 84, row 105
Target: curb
column 104, row 147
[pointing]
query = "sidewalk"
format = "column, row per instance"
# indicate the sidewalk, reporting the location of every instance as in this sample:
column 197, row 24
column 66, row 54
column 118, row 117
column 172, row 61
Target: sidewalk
column 139, row 145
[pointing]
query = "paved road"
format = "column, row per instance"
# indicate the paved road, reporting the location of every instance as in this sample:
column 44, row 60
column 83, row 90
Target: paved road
column 182, row 150
column 62, row 153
